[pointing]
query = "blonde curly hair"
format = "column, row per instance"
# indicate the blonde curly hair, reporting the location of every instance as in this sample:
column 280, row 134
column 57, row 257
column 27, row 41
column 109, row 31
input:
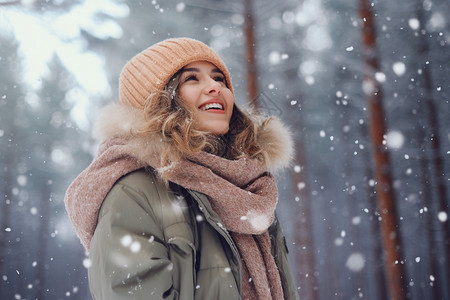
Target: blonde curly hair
column 167, row 114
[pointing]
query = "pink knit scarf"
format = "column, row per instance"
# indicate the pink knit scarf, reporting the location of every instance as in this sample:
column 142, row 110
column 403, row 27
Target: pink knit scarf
column 244, row 196
column 241, row 192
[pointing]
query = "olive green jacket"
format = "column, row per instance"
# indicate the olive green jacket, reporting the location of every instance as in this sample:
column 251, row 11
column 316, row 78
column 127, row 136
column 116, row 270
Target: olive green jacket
column 155, row 241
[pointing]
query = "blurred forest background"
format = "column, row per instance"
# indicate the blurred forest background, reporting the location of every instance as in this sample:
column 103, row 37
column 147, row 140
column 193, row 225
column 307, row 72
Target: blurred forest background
column 364, row 86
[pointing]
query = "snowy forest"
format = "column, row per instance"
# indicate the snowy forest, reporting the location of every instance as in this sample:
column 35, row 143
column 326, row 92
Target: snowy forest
column 363, row 85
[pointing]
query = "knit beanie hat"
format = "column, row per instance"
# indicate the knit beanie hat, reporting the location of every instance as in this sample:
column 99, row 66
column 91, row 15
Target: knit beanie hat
column 150, row 70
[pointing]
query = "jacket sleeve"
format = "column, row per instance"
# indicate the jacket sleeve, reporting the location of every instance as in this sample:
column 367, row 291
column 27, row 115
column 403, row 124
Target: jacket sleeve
column 130, row 257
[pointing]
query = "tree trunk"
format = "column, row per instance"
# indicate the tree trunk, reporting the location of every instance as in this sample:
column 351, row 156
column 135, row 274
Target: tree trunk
column 43, row 239
column 303, row 229
column 380, row 276
column 429, row 215
column 7, row 185
column 250, row 54
column 394, row 267
column 302, row 225
column 433, row 132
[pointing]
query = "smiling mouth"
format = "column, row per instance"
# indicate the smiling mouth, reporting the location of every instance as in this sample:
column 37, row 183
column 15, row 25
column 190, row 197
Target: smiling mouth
column 211, row 106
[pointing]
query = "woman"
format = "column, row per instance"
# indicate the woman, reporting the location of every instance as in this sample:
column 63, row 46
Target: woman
column 179, row 203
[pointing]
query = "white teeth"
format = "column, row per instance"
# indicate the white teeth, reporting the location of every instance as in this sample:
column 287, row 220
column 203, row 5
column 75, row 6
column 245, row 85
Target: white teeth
column 212, row 105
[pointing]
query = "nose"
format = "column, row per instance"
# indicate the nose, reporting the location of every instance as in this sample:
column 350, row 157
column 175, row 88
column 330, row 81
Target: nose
column 212, row 86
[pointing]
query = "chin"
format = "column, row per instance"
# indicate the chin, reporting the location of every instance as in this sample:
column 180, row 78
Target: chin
column 219, row 131
column 215, row 129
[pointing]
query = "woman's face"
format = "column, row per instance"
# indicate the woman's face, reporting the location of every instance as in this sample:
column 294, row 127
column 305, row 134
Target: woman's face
column 203, row 89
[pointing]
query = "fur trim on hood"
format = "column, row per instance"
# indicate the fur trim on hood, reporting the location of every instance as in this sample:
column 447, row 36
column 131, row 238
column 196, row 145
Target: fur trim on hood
column 120, row 120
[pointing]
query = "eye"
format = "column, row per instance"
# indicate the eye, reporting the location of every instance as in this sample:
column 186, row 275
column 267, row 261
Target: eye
column 219, row 78
column 190, row 77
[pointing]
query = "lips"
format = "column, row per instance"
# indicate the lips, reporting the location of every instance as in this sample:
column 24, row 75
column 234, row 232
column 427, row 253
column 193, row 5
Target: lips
column 213, row 105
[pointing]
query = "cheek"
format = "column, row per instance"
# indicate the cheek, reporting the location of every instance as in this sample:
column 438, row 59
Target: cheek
column 228, row 96
column 188, row 101
column 187, row 93
column 230, row 99
column 183, row 96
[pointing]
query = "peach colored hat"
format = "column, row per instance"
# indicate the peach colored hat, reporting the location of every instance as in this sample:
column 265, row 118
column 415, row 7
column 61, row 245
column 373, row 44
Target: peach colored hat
column 150, row 70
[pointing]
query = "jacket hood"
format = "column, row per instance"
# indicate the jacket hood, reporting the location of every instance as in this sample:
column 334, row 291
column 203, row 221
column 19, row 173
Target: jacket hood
column 119, row 120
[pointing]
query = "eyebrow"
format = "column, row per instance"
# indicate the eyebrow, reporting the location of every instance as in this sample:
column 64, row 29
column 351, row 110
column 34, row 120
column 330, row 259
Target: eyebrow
column 216, row 70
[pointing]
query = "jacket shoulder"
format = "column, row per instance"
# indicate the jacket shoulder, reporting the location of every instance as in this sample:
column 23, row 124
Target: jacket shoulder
column 139, row 189
column 141, row 180
column 164, row 203
column 141, row 186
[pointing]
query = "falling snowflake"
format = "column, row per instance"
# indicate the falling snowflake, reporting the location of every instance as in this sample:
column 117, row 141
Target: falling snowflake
column 399, row 68
column 126, row 240
column 87, row 263
column 135, row 247
column 442, row 216
column 355, row 262
column 395, row 139
column 414, row 23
